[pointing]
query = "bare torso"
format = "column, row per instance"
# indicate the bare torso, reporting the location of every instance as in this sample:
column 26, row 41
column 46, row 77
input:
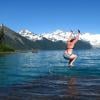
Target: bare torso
column 70, row 46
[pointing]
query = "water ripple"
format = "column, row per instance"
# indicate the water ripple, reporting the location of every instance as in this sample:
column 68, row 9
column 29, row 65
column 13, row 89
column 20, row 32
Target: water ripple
column 46, row 76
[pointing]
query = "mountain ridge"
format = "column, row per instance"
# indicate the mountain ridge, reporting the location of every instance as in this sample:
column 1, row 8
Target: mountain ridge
column 57, row 35
column 15, row 40
column 25, row 42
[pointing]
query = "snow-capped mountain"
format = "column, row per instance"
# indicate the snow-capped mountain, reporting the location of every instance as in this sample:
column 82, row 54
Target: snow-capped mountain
column 53, row 36
column 56, row 35
column 93, row 39
column 29, row 35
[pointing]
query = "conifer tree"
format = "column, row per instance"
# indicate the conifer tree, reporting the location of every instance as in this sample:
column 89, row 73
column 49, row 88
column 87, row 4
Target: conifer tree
column 1, row 34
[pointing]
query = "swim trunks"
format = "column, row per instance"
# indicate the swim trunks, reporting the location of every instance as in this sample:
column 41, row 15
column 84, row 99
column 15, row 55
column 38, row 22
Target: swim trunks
column 66, row 56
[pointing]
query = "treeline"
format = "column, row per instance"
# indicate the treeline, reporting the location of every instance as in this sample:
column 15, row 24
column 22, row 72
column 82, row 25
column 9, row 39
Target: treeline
column 4, row 47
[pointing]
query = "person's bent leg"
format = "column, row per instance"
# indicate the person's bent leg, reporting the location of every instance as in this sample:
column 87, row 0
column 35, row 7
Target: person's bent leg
column 72, row 59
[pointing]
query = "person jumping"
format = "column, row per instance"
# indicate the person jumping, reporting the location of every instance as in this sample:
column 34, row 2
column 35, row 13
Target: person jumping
column 68, row 54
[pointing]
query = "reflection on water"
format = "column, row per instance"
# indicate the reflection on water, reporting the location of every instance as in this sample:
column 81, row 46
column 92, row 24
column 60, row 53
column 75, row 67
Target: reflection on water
column 45, row 76
column 71, row 87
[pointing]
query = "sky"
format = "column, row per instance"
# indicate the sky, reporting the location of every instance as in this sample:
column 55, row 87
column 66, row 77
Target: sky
column 41, row 16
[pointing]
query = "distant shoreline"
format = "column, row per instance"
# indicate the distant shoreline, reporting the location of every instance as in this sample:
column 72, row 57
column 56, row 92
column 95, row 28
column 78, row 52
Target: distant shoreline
column 17, row 51
column 6, row 52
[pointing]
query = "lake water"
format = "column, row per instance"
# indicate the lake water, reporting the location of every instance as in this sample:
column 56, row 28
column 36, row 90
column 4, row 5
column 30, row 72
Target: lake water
column 46, row 76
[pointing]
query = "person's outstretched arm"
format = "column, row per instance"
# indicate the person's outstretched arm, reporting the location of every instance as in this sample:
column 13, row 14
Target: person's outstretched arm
column 77, row 37
column 71, row 32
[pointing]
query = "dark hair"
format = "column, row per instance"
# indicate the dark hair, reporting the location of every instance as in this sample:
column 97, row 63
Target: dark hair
column 72, row 39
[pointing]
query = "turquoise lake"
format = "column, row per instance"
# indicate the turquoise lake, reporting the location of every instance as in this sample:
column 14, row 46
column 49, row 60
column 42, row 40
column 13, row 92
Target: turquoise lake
column 45, row 76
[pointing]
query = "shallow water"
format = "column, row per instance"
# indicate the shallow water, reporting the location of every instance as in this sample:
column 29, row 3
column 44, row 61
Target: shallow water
column 46, row 76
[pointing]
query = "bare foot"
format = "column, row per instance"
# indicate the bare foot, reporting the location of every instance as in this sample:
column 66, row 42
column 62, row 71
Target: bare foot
column 70, row 65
